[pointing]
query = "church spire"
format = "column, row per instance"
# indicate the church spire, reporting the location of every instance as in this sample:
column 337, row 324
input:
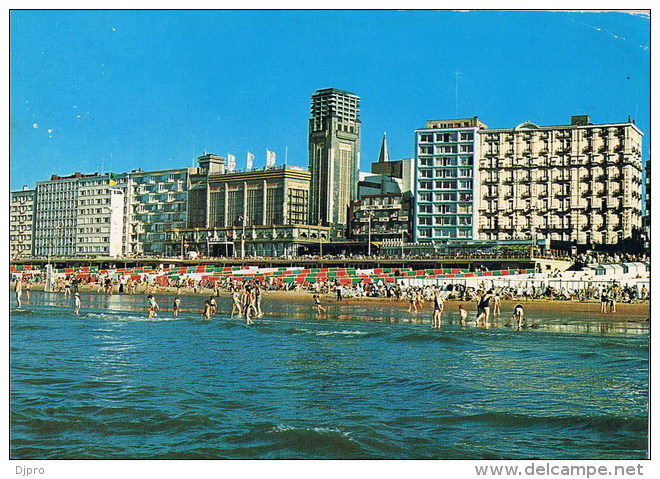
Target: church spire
column 384, row 154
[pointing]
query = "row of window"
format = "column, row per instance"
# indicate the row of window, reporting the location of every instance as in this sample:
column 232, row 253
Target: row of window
column 427, row 197
column 445, row 137
column 445, row 173
column 445, row 185
column 444, row 220
column 427, row 233
column 447, row 161
column 445, row 149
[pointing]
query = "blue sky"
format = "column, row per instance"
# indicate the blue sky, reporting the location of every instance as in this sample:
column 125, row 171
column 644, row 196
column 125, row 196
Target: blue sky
column 119, row 90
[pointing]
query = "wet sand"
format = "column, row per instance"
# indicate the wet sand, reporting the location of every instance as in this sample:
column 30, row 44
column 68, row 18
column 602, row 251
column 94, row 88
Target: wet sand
column 639, row 311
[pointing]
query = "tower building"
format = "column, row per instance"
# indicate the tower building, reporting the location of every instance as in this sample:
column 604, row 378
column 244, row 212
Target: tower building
column 334, row 157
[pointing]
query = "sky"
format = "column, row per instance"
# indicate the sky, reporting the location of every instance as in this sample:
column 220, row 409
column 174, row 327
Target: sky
column 113, row 91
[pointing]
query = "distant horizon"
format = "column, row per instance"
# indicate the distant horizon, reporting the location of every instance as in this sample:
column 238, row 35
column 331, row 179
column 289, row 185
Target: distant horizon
column 115, row 91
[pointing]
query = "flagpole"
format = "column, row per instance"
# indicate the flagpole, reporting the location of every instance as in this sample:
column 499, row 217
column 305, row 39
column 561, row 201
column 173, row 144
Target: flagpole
column 286, row 156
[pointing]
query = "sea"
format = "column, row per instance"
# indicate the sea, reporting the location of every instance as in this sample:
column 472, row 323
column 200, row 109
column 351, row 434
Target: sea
column 358, row 382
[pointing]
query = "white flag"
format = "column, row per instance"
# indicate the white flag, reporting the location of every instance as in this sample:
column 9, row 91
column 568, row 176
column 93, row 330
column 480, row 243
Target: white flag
column 270, row 158
column 250, row 159
column 231, row 162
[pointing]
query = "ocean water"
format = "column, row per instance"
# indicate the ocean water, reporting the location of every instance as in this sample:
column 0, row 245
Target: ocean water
column 359, row 382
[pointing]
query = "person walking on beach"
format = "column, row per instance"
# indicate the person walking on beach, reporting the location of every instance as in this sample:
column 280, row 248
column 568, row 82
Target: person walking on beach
column 27, row 291
column 153, row 306
column 18, row 289
column 175, row 306
column 438, row 306
column 604, row 300
column 76, row 303
column 463, row 314
column 519, row 316
column 317, row 301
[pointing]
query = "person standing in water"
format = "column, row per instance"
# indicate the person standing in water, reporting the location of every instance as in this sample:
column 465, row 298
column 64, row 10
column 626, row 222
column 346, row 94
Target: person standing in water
column 438, row 306
column 497, row 303
column 317, row 301
column 153, row 306
column 175, row 306
column 484, row 307
column 18, row 289
column 257, row 294
column 207, row 309
column 214, row 306
column 463, row 314
column 519, row 316
column 236, row 304
column 76, row 303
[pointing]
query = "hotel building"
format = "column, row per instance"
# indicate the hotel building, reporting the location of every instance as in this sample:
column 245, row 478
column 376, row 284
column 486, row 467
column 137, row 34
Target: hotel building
column 158, row 201
column 257, row 212
column 446, row 180
column 577, row 183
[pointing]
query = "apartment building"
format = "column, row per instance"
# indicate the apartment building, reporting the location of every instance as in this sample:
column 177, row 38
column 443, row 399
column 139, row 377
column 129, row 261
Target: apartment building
column 446, row 180
column 56, row 215
column 576, row 183
column 101, row 225
column 21, row 222
column 158, row 201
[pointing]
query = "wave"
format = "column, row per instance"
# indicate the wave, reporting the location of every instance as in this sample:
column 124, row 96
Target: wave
column 603, row 424
column 424, row 337
column 346, row 333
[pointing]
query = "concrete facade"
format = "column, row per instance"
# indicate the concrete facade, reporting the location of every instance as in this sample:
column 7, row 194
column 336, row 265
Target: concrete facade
column 334, row 158
column 446, row 180
column 158, row 201
column 21, row 222
column 259, row 202
column 577, row 183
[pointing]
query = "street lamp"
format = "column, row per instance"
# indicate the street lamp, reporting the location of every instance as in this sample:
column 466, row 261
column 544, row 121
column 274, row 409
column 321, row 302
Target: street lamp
column 369, row 234
column 242, row 220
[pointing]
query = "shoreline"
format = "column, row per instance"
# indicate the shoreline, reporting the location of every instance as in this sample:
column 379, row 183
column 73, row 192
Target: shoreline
column 625, row 311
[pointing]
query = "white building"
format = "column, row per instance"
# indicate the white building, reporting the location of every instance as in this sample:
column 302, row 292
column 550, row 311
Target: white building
column 21, row 218
column 101, row 213
column 446, row 180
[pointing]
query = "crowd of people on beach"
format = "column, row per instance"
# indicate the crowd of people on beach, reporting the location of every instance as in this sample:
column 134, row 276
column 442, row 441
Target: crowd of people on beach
column 247, row 295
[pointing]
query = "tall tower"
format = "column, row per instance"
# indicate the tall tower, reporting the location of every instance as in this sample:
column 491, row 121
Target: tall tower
column 334, row 157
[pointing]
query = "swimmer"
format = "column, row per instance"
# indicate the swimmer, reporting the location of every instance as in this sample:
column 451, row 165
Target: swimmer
column 236, row 304
column 76, row 303
column 18, row 289
column 438, row 306
column 153, row 306
column 484, row 306
column 519, row 316
column 207, row 310
column 463, row 313
column 257, row 293
column 175, row 306
column 319, row 309
column 214, row 306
